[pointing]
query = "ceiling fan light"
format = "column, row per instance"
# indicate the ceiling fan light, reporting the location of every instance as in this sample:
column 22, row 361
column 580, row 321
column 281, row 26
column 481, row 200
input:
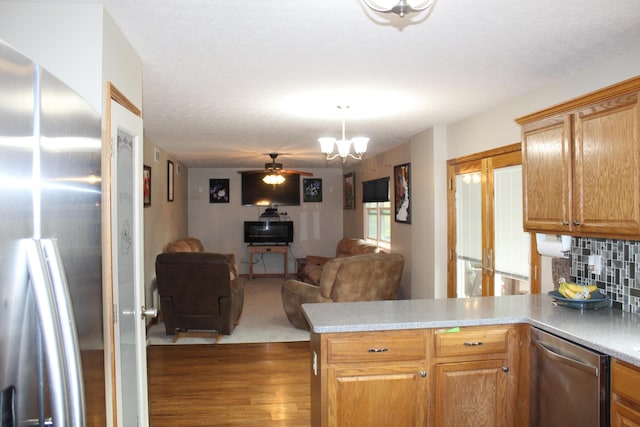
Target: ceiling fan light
column 326, row 145
column 274, row 179
column 360, row 144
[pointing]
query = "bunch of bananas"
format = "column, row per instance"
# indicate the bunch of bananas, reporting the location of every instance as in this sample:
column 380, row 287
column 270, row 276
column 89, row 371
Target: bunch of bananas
column 575, row 291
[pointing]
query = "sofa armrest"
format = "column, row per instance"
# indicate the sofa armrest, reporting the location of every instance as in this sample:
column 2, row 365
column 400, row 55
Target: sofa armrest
column 294, row 294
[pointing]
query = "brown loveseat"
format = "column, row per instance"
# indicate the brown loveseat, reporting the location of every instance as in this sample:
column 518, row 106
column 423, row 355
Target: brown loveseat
column 369, row 277
column 346, row 247
column 197, row 289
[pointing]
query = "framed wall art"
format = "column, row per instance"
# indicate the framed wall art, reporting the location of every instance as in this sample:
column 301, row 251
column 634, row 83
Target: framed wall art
column 170, row 182
column 349, row 190
column 402, row 193
column 219, row 190
column 311, row 190
column 146, row 186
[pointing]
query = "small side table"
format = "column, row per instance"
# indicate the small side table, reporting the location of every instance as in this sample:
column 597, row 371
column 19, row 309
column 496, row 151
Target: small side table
column 269, row 249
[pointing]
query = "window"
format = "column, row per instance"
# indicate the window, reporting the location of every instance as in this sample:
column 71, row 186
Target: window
column 377, row 223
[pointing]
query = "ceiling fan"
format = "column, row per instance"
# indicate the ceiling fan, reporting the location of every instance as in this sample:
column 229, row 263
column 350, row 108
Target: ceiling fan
column 275, row 168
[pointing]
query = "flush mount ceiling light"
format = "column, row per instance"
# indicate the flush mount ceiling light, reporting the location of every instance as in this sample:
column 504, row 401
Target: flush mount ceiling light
column 402, row 8
column 344, row 144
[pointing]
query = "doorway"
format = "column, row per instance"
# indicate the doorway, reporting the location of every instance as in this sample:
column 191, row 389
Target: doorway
column 489, row 253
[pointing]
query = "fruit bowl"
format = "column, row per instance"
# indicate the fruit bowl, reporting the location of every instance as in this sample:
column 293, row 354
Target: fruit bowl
column 597, row 300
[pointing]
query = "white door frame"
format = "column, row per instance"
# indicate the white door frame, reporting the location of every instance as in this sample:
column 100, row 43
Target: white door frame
column 113, row 387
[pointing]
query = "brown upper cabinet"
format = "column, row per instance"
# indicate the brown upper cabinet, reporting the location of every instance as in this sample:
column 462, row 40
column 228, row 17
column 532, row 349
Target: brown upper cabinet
column 581, row 165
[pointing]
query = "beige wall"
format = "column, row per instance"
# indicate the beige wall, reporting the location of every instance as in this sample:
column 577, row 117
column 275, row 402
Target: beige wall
column 496, row 127
column 317, row 226
column 164, row 221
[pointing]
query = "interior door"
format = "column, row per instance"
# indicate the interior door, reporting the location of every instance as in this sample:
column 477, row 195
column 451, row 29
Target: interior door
column 489, row 253
column 127, row 266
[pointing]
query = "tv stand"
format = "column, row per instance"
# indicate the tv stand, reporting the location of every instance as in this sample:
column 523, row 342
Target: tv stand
column 269, row 249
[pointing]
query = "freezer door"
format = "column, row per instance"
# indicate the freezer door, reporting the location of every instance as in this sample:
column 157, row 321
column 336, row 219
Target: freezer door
column 70, row 213
column 19, row 366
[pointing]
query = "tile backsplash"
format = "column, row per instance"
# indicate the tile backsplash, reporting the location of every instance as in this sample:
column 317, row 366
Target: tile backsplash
column 620, row 274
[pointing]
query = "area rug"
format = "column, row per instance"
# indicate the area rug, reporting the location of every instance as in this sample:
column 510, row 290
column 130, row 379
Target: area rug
column 263, row 320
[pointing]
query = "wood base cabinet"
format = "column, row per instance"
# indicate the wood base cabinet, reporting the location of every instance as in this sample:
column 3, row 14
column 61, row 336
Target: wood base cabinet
column 625, row 395
column 471, row 393
column 475, row 376
column 581, row 164
column 481, row 376
column 369, row 379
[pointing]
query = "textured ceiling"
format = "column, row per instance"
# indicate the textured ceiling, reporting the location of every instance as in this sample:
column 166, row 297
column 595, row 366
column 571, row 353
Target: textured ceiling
column 225, row 81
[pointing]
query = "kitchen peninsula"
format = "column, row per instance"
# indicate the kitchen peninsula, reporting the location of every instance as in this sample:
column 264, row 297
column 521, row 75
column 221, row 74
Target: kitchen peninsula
column 415, row 341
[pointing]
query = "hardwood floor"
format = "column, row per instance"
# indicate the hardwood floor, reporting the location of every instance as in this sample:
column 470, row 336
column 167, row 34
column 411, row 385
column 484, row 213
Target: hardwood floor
column 246, row 385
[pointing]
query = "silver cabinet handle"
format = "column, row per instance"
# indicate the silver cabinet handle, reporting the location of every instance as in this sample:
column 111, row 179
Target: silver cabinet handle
column 565, row 223
column 576, row 223
column 423, row 374
column 378, row 350
column 505, row 369
column 473, row 343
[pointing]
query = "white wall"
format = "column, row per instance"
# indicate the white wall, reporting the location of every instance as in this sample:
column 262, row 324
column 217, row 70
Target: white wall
column 66, row 39
column 317, row 226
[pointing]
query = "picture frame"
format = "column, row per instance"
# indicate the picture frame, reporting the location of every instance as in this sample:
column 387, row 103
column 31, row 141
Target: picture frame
column 170, row 181
column 219, row 190
column 146, row 186
column 311, row 190
column 349, row 190
column 402, row 193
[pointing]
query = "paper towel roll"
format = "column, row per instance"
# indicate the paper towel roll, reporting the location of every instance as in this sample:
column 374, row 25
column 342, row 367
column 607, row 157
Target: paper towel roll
column 553, row 247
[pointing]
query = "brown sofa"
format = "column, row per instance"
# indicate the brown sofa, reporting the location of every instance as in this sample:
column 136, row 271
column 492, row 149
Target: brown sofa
column 197, row 289
column 313, row 265
column 369, row 277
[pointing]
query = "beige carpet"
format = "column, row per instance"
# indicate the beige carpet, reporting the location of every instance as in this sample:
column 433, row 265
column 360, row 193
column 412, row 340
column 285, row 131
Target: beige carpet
column 263, row 320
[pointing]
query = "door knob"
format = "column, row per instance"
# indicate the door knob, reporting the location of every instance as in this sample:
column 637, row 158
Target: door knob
column 148, row 312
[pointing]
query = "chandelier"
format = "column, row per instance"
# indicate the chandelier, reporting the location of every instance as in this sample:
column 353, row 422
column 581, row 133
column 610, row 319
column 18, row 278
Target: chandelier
column 401, row 8
column 344, row 144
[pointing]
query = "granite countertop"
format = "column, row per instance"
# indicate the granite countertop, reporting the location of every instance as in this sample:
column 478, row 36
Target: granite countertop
column 606, row 330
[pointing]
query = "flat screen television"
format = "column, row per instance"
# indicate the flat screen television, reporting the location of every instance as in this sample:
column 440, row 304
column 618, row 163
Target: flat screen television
column 375, row 190
column 268, row 232
column 256, row 193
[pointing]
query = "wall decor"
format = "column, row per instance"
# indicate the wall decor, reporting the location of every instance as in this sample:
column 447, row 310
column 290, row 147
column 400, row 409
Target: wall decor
column 170, row 184
column 402, row 193
column 349, row 190
column 146, row 186
column 219, row 190
column 311, row 190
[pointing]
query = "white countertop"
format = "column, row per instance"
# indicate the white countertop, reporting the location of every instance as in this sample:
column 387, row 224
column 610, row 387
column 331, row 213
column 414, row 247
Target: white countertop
column 606, row 330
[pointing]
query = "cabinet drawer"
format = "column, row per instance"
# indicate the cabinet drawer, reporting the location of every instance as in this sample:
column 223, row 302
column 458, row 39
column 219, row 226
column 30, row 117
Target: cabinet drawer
column 470, row 341
column 376, row 347
column 625, row 381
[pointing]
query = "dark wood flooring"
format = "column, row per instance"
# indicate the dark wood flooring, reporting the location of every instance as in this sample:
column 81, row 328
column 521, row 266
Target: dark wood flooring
column 246, row 385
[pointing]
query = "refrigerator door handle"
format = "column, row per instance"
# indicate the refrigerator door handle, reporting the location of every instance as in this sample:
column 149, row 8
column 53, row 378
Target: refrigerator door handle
column 50, row 325
column 69, row 333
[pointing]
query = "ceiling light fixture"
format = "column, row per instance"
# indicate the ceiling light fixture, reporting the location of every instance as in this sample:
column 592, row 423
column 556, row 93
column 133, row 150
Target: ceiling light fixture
column 344, row 144
column 401, row 8
column 273, row 179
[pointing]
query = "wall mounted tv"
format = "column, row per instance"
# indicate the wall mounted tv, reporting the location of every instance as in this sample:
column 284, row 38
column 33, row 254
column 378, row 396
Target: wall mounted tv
column 376, row 190
column 256, row 193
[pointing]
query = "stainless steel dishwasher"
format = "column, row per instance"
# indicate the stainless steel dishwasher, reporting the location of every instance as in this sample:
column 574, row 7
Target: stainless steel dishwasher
column 569, row 383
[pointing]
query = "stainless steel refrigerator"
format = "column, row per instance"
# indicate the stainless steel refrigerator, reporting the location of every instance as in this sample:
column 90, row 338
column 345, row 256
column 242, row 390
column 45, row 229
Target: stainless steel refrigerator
column 51, row 328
